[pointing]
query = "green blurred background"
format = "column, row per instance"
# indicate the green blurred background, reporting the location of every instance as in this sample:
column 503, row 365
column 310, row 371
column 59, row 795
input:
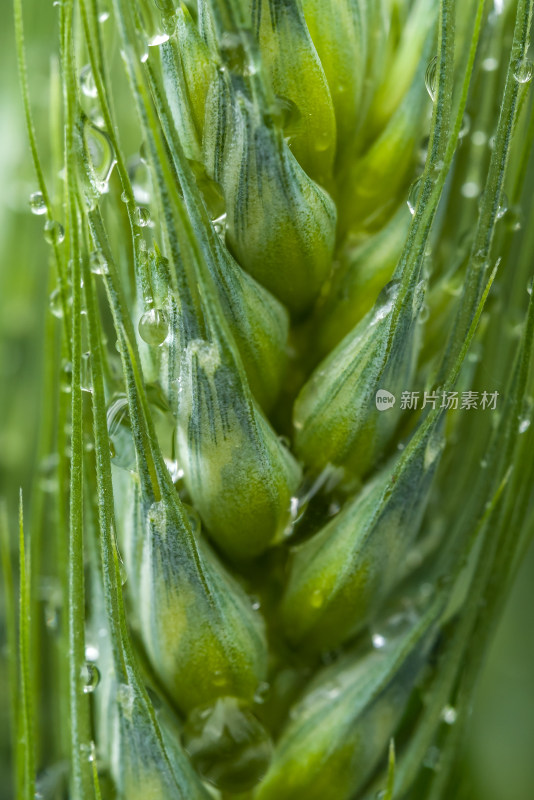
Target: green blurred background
column 498, row 759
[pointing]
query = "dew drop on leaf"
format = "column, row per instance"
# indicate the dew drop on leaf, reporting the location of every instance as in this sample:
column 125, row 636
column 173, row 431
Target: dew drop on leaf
column 87, row 82
column 98, row 263
column 54, row 232
column 523, row 70
column 54, row 302
column 153, row 327
column 37, row 203
column 90, row 677
column 142, row 216
column 413, row 195
column 430, row 78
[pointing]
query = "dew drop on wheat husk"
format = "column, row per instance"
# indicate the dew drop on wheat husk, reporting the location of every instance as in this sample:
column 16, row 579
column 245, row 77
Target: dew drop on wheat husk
column 142, row 216
column 141, row 182
column 379, row 641
column 220, row 225
column 86, row 378
column 153, row 327
column 432, row 759
column 413, row 195
column 490, row 64
column 228, row 745
column 125, row 698
column 92, row 652
column 524, row 425
column 98, row 263
column 262, row 691
column 54, row 302
column 122, row 446
column 238, row 53
column 385, row 302
column 430, row 78
column 514, row 219
column 90, row 677
column 87, row 82
column 449, row 715
column 65, row 378
column 284, row 112
column 523, row 70
column 37, row 203
column 54, row 232
column 211, row 191
column 470, row 190
column 466, row 126
column 158, row 39
column 101, row 154
column 479, row 138
column 503, row 206
column 175, row 471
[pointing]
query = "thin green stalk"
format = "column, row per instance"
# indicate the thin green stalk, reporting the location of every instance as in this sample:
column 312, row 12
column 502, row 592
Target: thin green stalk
column 11, row 626
column 26, row 728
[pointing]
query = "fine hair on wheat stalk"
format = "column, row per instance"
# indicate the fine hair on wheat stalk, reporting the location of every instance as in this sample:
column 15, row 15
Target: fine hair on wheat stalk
column 287, row 395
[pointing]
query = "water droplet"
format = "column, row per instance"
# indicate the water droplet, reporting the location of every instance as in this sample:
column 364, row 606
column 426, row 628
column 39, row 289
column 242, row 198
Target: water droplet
column 432, row 758
column 284, row 112
column 466, row 126
column 470, row 190
column 228, row 745
column 255, row 603
column 490, row 64
column 379, row 641
column 523, row 70
column 211, row 191
column 142, row 216
column 430, row 78
column 125, row 698
column 413, row 195
column 37, row 203
column 316, row 599
column 530, row 286
column 449, row 715
column 503, row 206
column 54, row 232
column 103, row 16
column 141, row 182
column 91, row 652
column 153, row 327
column 90, row 677
column 261, row 693
column 385, row 301
column 101, row 156
column 86, row 377
column 514, row 219
column 524, row 425
column 87, row 82
column 122, row 446
column 479, row 138
column 144, row 57
column 175, row 471
column 98, row 263
column 123, row 574
column 55, row 304
column 65, row 378
column 220, row 225
column 238, row 52
column 219, row 678
column 159, row 38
